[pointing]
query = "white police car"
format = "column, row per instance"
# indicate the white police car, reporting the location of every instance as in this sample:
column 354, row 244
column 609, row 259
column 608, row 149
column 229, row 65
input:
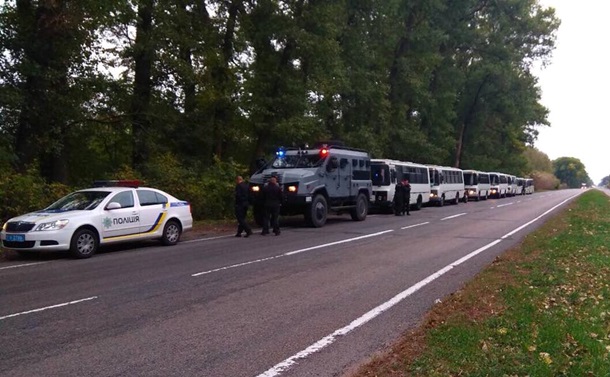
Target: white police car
column 114, row 211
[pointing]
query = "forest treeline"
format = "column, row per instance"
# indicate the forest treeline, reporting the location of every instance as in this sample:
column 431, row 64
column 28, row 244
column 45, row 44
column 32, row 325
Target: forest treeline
column 185, row 94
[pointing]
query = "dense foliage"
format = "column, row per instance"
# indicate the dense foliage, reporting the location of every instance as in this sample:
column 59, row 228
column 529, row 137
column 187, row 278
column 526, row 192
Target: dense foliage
column 571, row 172
column 605, row 182
column 185, row 93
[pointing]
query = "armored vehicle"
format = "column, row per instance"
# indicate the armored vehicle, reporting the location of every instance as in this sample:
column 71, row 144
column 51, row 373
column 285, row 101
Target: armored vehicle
column 317, row 180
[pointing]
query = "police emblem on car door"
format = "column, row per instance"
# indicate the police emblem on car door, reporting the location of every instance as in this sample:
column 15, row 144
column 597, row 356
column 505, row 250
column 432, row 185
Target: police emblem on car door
column 120, row 216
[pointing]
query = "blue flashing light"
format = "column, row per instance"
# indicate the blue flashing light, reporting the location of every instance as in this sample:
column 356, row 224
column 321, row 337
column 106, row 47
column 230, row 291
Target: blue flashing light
column 280, row 153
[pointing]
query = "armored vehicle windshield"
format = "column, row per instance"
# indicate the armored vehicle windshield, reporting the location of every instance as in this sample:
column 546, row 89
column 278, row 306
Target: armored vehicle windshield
column 292, row 161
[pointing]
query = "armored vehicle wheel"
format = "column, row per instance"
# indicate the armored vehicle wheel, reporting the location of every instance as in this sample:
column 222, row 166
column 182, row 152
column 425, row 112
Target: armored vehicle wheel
column 362, row 208
column 317, row 211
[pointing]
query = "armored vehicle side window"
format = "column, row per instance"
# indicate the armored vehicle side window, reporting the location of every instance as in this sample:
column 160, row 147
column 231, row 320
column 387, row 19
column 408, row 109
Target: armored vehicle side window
column 343, row 163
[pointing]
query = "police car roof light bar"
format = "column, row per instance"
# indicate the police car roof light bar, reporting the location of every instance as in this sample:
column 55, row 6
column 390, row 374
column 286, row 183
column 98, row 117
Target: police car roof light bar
column 118, row 183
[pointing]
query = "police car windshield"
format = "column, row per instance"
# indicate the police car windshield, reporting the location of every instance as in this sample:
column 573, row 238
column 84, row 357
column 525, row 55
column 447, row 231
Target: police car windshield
column 297, row 161
column 79, row 201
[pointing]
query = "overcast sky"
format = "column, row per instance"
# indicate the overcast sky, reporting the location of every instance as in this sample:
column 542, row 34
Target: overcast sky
column 576, row 86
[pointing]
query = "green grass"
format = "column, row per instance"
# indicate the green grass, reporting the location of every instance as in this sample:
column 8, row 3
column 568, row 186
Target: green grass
column 542, row 309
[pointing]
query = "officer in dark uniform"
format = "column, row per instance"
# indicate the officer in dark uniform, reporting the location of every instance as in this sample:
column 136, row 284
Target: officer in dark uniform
column 241, row 206
column 399, row 201
column 406, row 189
column 273, row 198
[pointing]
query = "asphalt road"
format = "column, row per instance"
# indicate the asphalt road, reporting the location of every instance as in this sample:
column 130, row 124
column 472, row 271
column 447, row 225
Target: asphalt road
column 311, row 302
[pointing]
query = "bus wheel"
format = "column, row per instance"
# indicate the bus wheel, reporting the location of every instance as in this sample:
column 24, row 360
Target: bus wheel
column 441, row 201
column 478, row 197
column 465, row 198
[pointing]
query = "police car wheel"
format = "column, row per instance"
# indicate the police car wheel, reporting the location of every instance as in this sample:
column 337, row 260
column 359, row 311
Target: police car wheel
column 171, row 233
column 84, row 243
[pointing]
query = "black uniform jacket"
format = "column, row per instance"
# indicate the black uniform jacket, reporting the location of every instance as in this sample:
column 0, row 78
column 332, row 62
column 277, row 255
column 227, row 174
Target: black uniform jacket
column 272, row 195
column 241, row 194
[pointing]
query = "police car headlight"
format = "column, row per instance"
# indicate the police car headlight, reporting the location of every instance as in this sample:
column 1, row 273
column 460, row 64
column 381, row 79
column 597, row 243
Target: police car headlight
column 256, row 188
column 54, row 225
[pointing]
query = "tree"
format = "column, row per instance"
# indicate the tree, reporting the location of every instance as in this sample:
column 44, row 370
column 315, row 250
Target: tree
column 571, row 171
column 605, row 182
column 46, row 63
column 537, row 160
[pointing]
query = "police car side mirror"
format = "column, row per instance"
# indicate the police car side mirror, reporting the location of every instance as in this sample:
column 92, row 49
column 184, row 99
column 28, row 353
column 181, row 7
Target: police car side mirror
column 113, row 205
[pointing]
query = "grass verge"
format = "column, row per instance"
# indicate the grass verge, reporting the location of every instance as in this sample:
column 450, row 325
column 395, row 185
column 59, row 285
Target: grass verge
column 541, row 309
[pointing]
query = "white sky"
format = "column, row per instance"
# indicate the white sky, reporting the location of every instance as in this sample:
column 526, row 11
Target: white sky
column 576, row 86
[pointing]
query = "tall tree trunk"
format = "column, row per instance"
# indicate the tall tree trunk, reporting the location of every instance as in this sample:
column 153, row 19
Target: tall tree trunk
column 222, row 108
column 466, row 121
column 142, row 85
column 41, row 134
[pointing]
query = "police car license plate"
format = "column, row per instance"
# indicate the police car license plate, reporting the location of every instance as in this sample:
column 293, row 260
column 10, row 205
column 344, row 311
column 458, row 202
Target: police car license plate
column 15, row 237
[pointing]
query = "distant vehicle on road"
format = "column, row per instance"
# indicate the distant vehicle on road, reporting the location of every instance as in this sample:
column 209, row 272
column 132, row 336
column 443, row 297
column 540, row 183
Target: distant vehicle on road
column 476, row 184
column 446, row 184
column 499, row 185
column 112, row 212
column 317, row 180
column 529, row 186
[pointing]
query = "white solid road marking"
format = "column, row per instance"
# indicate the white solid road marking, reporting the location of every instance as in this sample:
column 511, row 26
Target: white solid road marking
column 507, row 204
column 293, row 252
column 371, row 314
column 205, row 239
column 49, row 307
column 454, row 216
column 413, row 226
column 21, row 265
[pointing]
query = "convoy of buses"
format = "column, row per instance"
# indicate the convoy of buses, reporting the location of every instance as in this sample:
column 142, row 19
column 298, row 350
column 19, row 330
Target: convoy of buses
column 431, row 184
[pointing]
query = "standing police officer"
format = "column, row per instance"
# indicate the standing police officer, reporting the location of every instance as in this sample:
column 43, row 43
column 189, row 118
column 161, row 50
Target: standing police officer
column 273, row 198
column 241, row 206
column 406, row 188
